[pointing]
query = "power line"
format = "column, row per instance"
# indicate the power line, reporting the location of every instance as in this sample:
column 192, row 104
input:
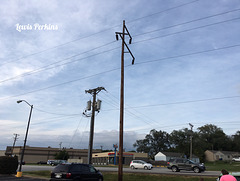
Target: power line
column 56, row 113
column 184, row 23
column 107, row 29
column 181, row 102
column 187, row 30
column 189, row 54
column 163, row 11
column 47, row 67
column 36, row 53
column 108, row 71
column 191, row 101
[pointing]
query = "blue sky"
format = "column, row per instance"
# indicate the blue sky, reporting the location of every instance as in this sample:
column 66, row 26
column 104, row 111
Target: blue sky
column 186, row 69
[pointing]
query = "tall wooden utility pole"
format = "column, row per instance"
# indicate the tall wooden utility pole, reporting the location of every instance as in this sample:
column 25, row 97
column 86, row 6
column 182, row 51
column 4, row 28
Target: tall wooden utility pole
column 94, row 92
column 14, row 142
column 122, row 35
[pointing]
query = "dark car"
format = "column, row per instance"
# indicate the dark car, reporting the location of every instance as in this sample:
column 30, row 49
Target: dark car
column 184, row 164
column 75, row 171
column 41, row 162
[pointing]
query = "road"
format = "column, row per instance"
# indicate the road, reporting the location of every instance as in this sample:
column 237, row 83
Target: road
column 156, row 170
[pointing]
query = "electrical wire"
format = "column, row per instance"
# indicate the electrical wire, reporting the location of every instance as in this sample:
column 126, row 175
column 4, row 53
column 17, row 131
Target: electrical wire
column 108, row 71
column 47, row 67
column 163, row 11
column 107, row 29
column 183, row 31
column 180, row 102
column 184, row 23
column 187, row 30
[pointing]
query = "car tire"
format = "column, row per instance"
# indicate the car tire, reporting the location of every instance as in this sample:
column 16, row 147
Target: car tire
column 196, row 170
column 175, row 169
column 132, row 167
column 145, row 167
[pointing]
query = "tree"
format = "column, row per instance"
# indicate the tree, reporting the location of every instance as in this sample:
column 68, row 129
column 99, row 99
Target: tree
column 62, row 155
column 180, row 141
column 214, row 138
column 153, row 143
column 236, row 141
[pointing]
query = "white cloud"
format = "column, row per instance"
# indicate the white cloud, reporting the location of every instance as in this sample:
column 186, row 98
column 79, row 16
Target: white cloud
column 61, row 90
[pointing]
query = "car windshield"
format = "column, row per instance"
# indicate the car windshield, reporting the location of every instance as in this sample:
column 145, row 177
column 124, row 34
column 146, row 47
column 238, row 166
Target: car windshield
column 143, row 161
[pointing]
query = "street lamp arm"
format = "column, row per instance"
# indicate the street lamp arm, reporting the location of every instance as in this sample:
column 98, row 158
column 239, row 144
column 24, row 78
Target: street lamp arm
column 19, row 101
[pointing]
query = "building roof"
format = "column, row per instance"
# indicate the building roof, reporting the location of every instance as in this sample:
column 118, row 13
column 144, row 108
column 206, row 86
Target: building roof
column 224, row 152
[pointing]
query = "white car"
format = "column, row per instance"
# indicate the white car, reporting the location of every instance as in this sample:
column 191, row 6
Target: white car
column 140, row 164
column 236, row 159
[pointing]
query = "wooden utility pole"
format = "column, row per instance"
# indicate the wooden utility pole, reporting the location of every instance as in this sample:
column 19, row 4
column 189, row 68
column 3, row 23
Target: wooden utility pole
column 15, row 139
column 94, row 92
column 122, row 35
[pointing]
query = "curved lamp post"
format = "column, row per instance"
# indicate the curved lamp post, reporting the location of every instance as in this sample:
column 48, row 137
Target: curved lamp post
column 19, row 173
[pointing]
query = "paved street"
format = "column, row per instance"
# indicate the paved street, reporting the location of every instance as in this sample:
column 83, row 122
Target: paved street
column 156, row 170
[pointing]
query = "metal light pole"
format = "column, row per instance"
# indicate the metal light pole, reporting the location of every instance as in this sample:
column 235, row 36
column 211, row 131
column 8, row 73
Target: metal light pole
column 19, row 173
column 191, row 141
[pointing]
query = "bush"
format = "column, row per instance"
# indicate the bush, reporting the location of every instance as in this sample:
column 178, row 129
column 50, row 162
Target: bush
column 8, row 165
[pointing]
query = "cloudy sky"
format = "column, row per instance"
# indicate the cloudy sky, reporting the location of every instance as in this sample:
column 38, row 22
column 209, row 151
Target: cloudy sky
column 186, row 68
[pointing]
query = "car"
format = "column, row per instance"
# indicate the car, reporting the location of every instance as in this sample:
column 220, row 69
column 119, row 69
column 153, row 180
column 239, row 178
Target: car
column 23, row 162
column 55, row 162
column 75, row 171
column 235, row 174
column 135, row 164
column 236, row 159
column 41, row 162
column 185, row 164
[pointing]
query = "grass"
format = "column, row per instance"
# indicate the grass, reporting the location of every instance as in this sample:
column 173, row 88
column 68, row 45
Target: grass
column 39, row 174
column 112, row 176
column 153, row 177
column 219, row 165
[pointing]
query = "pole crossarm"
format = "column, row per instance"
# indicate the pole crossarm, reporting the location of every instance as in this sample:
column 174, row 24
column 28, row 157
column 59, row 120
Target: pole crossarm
column 123, row 39
column 96, row 90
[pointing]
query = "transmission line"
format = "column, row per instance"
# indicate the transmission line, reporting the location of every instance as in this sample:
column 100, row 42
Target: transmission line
column 107, row 29
column 107, row 71
column 184, row 23
column 187, row 30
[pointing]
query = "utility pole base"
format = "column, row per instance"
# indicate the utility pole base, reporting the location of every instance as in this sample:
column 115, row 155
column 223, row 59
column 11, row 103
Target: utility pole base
column 19, row 174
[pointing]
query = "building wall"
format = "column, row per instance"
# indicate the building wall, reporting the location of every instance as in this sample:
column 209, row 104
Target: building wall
column 36, row 154
column 209, row 156
column 2, row 152
column 106, row 158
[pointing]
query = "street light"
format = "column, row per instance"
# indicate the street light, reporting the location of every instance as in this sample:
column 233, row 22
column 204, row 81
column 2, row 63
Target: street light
column 19, row 173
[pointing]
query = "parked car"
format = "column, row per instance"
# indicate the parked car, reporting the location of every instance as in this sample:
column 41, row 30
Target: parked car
column 184, row 164
column 23, row 162
column 140, row 164
column 75, row 171
column 235, row 174
column 41, row 162
column 236, row 159
column 55, row 162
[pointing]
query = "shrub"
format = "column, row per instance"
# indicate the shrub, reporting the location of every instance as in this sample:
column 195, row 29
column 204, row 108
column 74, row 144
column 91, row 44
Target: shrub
column 8, row 165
